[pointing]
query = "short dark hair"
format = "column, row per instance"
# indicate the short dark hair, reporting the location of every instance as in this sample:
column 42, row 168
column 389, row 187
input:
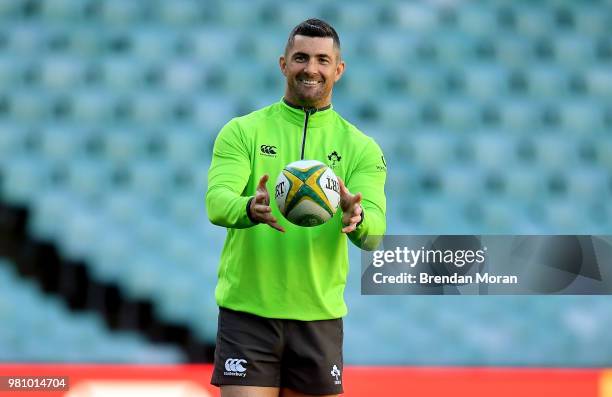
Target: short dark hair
column 313, row 28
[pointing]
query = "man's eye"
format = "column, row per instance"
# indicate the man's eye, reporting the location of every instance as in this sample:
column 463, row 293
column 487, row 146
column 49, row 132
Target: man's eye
column 324, row 61
column 299, row 59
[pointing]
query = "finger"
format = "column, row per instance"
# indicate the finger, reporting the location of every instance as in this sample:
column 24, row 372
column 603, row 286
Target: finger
column 266, row 217
column 357, row 210
column 262, row 182
column 355, row 219
column 343, row 189
column 349, row 228
column 260, row 208
column 272, row 222
column 277, row 227
column 260, row 198
column 357, row 198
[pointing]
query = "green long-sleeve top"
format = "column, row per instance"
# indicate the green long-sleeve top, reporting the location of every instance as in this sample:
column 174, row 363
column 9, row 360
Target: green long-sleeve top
column 300, row 274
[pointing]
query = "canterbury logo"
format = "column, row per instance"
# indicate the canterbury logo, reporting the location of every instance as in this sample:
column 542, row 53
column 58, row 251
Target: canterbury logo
column 268, row 149
column 235, row 365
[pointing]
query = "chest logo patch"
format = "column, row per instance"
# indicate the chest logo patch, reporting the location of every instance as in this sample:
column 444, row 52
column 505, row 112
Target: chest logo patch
column 268, row 150
column 335, row 158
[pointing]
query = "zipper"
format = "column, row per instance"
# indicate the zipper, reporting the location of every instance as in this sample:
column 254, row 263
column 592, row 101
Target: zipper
column 308, row 112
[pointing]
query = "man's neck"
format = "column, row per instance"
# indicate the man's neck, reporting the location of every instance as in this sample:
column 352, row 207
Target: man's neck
column 306, row 107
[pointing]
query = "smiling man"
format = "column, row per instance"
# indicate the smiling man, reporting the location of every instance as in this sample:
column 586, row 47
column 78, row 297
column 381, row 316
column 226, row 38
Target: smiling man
column 280, row 288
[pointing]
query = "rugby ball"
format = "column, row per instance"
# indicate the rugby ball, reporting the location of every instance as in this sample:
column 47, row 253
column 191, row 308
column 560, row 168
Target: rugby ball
column 307, row 193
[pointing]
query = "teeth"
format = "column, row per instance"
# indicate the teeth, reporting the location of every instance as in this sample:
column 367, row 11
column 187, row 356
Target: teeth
column 309, row 82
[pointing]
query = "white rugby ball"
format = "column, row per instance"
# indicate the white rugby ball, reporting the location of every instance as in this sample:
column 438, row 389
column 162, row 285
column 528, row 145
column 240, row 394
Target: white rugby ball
column 307, row 193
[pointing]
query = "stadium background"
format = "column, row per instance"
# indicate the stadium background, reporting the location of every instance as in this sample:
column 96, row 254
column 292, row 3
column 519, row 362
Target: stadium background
column 494, row 116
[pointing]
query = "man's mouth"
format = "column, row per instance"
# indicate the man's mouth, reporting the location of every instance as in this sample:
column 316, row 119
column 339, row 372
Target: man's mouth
column 309, row 83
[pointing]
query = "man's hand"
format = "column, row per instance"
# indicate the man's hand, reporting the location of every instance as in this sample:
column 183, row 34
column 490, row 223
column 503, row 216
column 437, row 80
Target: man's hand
column 351, row 208
column 260, row 210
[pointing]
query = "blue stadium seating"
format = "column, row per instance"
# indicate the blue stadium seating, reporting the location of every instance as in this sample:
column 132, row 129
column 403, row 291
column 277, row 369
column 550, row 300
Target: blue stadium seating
column 43, row 329
column 493, row 117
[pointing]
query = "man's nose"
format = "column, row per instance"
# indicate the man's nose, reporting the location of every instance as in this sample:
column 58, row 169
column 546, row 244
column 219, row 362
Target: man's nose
column 311, row 66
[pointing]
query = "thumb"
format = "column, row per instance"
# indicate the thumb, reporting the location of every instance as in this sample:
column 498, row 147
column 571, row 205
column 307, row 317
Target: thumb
column 262, row 183
column 343, row 190
column 357, row 198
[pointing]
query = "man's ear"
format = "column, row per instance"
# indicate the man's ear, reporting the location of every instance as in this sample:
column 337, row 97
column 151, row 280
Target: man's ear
column 339, row 70
column 282, row 63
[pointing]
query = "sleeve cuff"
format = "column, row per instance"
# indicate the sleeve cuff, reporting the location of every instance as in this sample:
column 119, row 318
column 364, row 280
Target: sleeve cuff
column 362, row 218
column 248, row 205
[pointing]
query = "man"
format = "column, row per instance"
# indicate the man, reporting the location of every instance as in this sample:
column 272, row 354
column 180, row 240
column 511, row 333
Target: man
column 280, row 288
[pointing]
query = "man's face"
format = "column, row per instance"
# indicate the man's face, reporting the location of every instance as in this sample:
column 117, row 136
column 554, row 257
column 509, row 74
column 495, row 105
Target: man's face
column 312, row 67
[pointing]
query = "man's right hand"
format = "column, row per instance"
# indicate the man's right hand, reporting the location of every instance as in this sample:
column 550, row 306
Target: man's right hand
column 260, row 210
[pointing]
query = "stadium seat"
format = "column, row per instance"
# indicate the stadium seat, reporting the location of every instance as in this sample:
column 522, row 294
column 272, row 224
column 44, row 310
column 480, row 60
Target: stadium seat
column 290, row 13
column 175, row 296
column 523, row 184
column 240, row 13
column 545, row 81
column 24, row 179
column 89, row 178
column 50, row 208
column 586, row 184
column 212, row 113
column 591, row 19
column 111, row 254
column 117, row 12
column 485, row 82
column 62, row 73
column 213, row 44
column 462, row 182
column 583, row 117
column 476, row 20
column 453, row 48
column 24, row 39
column 181, row 76
column 493, row 149
column 575, row 50
column 143, row 277
column 426, row 81
column 63, row 10
column 11, row 141
column 431, row 149
column 205, row 312
column 415, row 17
column 150, row 178
column 122, row 74
column 150, row 44
column 93, row 106
column 11, row 70
column 533, row 21
column 60, row 143
column 555, row 154
column 8, row 10
column 392, row 46
column 459, row 114
column 80, row 233
column 353, row 17
column 27, row 105
column 520, row 115
column 512, row 50
column 150, row 108
column 599, row 82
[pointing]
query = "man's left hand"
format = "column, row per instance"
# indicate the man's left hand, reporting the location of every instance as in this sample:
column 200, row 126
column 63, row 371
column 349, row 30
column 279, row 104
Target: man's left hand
column 351, row 208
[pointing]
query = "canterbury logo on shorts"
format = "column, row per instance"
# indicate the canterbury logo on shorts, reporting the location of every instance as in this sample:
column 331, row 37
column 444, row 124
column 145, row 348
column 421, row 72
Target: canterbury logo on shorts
column 234, row 367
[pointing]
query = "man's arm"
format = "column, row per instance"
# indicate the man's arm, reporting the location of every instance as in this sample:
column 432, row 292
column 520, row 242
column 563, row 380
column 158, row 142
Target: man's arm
column 228, row 175
column 368, row 179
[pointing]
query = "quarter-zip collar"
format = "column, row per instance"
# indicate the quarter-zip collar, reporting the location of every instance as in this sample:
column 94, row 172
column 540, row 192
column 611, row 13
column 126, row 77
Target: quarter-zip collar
column 296, row 114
